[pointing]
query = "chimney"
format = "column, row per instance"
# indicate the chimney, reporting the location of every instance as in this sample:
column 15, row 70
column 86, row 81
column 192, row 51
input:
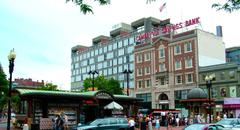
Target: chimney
column 219, row 31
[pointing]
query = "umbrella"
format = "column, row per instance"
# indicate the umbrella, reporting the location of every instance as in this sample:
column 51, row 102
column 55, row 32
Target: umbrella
column 113, row 105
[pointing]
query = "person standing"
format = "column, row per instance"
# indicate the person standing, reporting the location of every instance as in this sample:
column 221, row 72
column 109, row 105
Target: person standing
column 131, row 123
column 59, row 123
column 149, row 123
column 65, row 122
column 157, row 125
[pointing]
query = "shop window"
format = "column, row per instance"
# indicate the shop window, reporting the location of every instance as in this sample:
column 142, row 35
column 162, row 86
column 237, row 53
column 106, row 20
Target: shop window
column 223, row 92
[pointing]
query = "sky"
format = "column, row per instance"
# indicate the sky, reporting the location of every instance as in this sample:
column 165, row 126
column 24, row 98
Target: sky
column 42, row 32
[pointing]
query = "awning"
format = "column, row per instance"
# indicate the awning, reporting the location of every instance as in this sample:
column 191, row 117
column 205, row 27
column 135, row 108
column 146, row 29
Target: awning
column 231, row 106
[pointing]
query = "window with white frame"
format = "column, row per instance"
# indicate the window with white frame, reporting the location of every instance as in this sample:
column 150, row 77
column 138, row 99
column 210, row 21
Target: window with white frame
column 139, row 83
column 188, row 47
column 189, row 78
column 178, row 65
column 147, row 56
column 178, row 79
column 177, row 49
column 162, row 67
column 161, row 52
column 139, row 58
column 188, row 63
column 147, row 70
column 148, row 83
column 139, row 72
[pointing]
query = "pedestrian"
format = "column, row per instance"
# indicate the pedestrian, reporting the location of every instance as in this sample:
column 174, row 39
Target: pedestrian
column 157, row 124
column 177, row 121
column 149, row 123
column 131, row 123
column 65, row 122
column 59, row 123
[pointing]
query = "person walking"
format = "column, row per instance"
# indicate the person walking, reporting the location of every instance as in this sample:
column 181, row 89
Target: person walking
column 157, row 125
column 149, row 123
column 59, row 123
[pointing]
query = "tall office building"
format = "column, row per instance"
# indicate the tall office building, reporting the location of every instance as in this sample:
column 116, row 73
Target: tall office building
column 233, row 54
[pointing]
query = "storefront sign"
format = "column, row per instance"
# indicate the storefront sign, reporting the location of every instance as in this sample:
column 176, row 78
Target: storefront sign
column 103, row 95
column 168, row 28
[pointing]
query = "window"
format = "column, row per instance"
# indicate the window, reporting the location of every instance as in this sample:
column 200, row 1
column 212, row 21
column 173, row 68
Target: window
column 139, row 84
column 189, row 78
column 231, row 74
column 147, row 56
column 120, row 60
column 109, row 71
column 222, row 76
column 178, row 65
column 100, row 51
column 161, row 52
column 110, row 55
column 131, row 40
column 96, row 52
column 121, row 52
column 110, row 47
column 125, row 42
column 139, row 58
column 162, row 81
column 115, row 45
column 162, row 67
column 178, row 79
column 147, row 70
column 148, row 83
column 139, row 72
column 188, row 47
column 119, row 44
column 177, row 49
column 115, row 61
column 130, row 49
column 147, row 97
column 188, row 63
column 100, row 58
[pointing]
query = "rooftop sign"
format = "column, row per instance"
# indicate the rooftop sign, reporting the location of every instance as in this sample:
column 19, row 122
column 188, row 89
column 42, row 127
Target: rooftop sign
column 168, row 28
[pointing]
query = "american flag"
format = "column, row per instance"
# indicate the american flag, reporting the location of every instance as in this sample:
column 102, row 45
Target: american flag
column 162, row 7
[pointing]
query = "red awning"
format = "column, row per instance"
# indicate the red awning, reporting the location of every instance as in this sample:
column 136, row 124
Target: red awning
column 231, row 106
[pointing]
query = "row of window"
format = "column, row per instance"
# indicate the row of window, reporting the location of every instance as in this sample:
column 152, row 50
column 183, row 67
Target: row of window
column 177, row 51
column 108, row 71
column 108, row 48
column 163, row 80
column 220, row 76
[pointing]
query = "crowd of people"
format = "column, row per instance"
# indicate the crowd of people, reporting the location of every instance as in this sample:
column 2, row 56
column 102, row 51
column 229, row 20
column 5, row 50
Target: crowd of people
column 150, row 122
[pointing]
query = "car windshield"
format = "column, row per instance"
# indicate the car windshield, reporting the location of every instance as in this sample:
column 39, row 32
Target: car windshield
column 225, row 122
column 97, row 122
column 195, row 127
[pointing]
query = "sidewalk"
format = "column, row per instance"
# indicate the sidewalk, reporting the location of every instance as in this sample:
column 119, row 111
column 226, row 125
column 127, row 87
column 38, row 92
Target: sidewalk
column 165, row 128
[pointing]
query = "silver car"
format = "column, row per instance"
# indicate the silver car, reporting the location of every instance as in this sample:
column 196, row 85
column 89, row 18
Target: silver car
column 230, row 122
column 111, row 123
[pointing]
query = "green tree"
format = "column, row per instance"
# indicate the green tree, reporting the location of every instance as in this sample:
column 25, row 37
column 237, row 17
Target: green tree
column 228, row 6
column 86, row 8
column 101, row 83
column 49, row 86
column 3, row 88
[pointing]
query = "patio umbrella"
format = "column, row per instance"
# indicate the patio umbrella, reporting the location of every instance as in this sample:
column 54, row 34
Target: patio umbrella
column 113, row 105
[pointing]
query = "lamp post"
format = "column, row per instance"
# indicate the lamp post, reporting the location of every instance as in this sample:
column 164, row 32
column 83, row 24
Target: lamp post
column 127, row 72
column 11, row 58
column 93, row 73
column 208, row 80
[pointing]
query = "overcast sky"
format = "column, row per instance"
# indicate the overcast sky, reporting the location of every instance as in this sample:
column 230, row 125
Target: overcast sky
column 42, row 32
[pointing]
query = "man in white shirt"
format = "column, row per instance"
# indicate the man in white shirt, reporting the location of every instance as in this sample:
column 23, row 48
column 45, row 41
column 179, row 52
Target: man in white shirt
column 131, row 123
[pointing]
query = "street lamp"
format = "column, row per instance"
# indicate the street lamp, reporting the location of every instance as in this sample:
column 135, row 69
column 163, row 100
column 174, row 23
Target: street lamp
column 11, row 58
column 93, row 73
column 127, row 72
column 209, row 80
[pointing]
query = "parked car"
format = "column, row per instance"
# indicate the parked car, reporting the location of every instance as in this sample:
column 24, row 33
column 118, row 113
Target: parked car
column 110, row 123
column 229, row 122
column 204, row 127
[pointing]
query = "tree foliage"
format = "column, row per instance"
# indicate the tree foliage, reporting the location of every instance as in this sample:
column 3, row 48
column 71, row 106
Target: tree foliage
column 3, row 88
column 86, row 8
column 228, row 6
column 49, row 86
column 101, row 83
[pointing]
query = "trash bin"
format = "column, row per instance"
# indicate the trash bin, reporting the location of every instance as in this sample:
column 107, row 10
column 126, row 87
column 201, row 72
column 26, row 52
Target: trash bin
column 25, row 127
column 34, row 126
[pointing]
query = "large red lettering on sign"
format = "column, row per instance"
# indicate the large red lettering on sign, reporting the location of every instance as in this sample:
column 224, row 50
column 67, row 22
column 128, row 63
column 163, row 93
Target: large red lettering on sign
column 168, row 28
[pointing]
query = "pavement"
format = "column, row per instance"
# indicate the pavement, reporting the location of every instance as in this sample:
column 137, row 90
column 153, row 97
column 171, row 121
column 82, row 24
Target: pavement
column 165, row 128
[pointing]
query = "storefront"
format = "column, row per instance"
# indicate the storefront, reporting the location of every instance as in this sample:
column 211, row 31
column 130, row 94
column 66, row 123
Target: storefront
column 231, row 107
column 40, row 107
